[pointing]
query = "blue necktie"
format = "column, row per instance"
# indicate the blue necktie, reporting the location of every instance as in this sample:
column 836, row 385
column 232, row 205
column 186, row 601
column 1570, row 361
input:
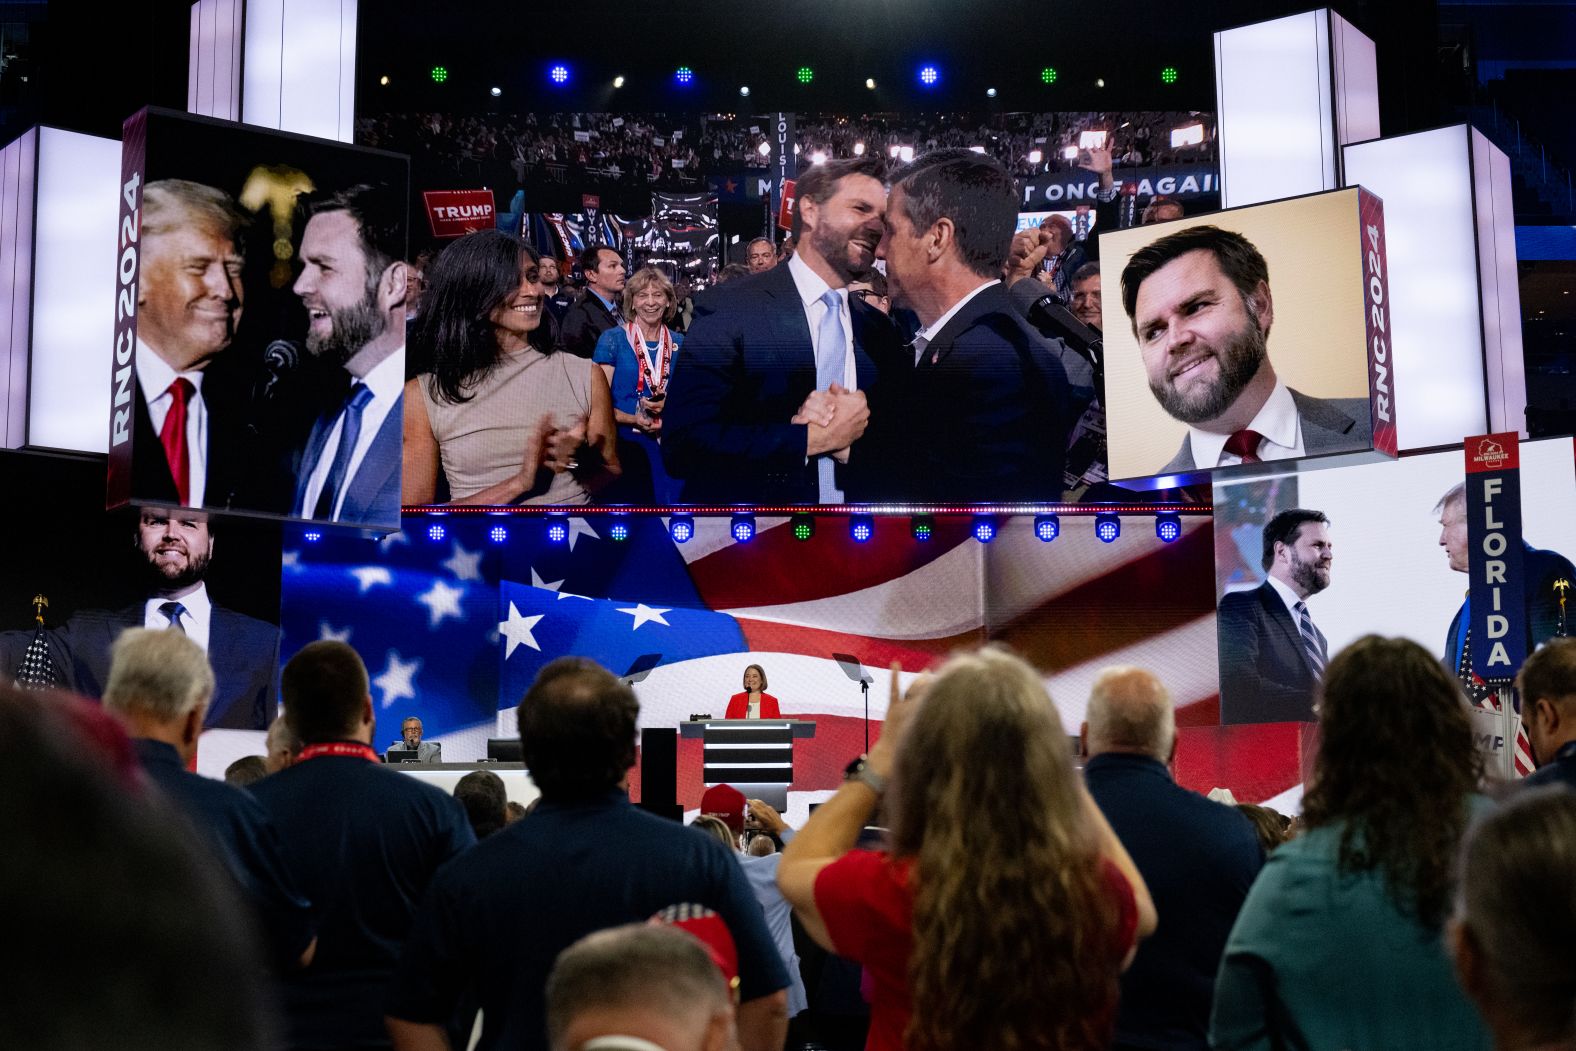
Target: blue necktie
column 174, row 611
column 349, row 431
column 831, row 358
column 1312, row 641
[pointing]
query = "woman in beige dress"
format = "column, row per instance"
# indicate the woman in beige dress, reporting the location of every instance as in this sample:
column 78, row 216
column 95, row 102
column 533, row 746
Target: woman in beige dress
column 509, row 420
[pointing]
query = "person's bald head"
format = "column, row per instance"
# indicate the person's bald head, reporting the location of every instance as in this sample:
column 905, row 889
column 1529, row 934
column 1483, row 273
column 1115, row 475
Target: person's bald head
column 1130, row 712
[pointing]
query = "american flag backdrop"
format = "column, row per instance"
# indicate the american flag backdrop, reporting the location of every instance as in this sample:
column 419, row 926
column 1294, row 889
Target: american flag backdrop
column 455, row 615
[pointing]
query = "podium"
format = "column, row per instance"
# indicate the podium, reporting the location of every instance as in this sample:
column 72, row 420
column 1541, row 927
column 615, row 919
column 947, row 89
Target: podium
column 753, row 755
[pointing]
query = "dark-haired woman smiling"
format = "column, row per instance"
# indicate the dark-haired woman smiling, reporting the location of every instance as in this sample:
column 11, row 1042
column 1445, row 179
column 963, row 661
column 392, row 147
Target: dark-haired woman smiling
column 507, row 419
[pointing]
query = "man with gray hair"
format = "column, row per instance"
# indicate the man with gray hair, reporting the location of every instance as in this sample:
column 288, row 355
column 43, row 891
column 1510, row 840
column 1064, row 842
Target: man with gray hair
column 159, row 686
column 283, row 746
column 1547, row 578
column 639, row 986
column 189, row 299
column 1198, row 858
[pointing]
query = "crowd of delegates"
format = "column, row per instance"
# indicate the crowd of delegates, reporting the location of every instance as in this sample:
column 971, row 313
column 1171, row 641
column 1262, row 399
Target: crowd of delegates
column 337, row 903
column 680, row 149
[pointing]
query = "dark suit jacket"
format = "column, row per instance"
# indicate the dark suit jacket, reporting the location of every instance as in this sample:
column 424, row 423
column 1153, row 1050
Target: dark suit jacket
column 1539, row 570
column 243, row 651
column 1329, row 425
column 151, row 480
column 583, row 324
column 1198, row 859
column 372, row 497
column 1265, row 676
column 746, row 366
column 986, row 410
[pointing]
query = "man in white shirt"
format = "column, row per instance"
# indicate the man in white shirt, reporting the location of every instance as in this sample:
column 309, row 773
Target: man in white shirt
column 1272, row 655
column 353, row 284
column 1201, row 310
column 189, row 300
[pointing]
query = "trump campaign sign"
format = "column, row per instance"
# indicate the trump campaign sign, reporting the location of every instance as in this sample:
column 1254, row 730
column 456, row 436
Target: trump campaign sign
column 455, row 213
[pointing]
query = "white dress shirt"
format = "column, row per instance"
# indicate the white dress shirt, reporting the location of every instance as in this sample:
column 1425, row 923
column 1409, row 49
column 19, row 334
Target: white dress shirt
column 1288, row 596
column 386, row 381
column 811, row 288
column 1277, row 421
column 154, row 377
column 197, row 620
column 933, row 330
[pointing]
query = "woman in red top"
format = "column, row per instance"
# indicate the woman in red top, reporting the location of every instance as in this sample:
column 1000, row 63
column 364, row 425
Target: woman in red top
column 1006, row 907
column 754, row 693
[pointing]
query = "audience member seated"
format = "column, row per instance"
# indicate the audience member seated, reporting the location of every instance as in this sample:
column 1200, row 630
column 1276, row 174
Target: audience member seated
column 363, row 839
column 121, row 930
column 410, row 741
column 283, row 745
column 1515, row 918
column 159, row 686
column 247, row 770
column 1339, row 944
column 1272, row 827
column 1198, row 858
column 516, row 811
column 584, row 860
column 486, row 801
column 639, row 986
column 1007, row 907
column 1547, row 684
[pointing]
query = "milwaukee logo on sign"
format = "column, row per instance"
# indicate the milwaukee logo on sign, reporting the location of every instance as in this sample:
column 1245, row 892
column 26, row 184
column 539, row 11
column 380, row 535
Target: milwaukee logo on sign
column 455, row 213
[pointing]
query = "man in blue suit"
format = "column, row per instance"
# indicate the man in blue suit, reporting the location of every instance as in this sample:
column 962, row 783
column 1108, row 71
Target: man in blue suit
column 243, row 651
column 1272, row 655
column 985, row 400
column 353, row 284
column 775, row 386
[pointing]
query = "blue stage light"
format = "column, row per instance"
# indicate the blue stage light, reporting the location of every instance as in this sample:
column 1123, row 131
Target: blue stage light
column 311, row 536
column 929, row 76
column 618, row 531
column 559, row 74
column 557, row 530
column 1168, row 526
column 1107, row 526
column 1047, row 527
column 743, row 528
column 684, row 76
column 681, row 528
column 498, row 534
column 861, row 528
column 436, row 532
column 984, row 528
column 922, row 527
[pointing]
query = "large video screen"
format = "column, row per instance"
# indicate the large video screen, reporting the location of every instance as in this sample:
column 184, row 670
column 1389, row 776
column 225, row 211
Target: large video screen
column 1244, row 336
column 260, row 323
column 668, row 339
column 1390, row 557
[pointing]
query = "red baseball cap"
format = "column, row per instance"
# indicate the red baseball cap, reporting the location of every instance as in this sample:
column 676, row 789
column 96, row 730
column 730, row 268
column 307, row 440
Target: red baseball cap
column 727, row 803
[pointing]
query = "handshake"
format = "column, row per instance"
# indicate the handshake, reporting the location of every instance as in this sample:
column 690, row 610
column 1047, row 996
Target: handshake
column 837, row 417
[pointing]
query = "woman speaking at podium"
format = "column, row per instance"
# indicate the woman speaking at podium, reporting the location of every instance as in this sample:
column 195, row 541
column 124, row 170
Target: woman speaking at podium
column 754, row 702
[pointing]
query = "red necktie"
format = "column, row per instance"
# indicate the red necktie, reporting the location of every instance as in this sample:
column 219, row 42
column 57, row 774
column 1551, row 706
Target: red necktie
column 173, row 437
column 1244, row 444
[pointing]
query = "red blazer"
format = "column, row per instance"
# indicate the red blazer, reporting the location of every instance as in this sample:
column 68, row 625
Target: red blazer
column 739, row 705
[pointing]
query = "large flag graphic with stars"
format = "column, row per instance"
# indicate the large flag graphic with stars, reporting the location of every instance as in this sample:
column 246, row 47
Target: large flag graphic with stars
column 456, row 614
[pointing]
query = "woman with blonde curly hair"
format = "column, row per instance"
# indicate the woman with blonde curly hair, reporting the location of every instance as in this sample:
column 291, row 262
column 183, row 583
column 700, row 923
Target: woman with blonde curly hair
column 1005, row 908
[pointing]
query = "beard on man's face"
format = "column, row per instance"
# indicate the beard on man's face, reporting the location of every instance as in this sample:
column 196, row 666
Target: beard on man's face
column 1312, row 577
column 173, row 574
column 1239, row 361
column 350, row 329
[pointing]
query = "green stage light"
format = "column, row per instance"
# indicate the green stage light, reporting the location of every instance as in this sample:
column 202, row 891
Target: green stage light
column 803, row 526
column 1168, row 75
column 440, row 74
column 1048, row 75
column 805, row 74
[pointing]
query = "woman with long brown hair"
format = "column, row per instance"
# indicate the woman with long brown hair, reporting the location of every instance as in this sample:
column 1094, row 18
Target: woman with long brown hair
column 1339, row 942
column 1005, row 908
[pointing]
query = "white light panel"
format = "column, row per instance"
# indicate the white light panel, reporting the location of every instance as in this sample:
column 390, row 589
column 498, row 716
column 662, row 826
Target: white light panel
column 300, row 67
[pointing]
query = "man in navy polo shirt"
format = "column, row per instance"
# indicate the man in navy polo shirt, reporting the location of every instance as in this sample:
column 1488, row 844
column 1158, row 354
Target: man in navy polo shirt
column 1198, row 858
column 584, row 860
column 365, row 842
column 159, row 685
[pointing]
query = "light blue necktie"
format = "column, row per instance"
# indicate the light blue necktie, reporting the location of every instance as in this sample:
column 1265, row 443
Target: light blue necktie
column 349, row 431
column 1312, row 641
column 831, row 359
